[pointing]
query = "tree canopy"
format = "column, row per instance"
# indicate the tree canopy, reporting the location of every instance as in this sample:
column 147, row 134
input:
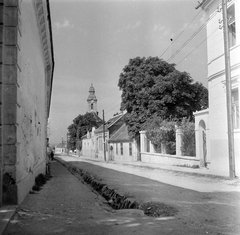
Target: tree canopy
column 81, row 124
column 152, row 87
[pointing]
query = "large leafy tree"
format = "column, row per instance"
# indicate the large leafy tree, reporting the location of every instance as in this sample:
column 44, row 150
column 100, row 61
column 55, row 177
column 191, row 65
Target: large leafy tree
column 81, row 124
column 152, row 87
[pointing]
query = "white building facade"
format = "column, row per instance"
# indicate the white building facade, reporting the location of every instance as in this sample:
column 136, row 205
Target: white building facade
column 211, row 130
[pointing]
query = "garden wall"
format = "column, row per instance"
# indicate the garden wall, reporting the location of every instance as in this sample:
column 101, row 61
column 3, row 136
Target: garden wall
column 167, row 159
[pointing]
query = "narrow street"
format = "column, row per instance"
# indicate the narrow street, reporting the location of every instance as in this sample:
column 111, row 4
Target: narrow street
column 65, row 205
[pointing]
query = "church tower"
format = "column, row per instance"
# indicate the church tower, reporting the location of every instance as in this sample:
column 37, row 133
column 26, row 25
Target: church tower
column 92, row 100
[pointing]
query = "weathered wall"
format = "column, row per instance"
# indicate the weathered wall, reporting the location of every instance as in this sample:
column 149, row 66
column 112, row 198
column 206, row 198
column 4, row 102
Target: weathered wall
column 32, row 99
column 9, row 92
column 25, row 95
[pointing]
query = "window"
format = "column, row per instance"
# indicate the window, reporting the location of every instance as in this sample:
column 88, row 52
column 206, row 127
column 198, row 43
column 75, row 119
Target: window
column 130, row 149
column 121, row 147
column 117, row 149
column 235, row 109
column 91, row 106
column 231, row 25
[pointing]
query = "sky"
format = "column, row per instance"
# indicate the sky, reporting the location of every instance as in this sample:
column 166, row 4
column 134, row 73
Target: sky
column 93, row 40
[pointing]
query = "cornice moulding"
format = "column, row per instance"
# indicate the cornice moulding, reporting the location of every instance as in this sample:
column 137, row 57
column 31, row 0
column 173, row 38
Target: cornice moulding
column 44, row 24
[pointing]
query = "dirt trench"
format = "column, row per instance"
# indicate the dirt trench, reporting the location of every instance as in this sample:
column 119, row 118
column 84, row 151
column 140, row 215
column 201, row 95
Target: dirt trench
column 118, row 201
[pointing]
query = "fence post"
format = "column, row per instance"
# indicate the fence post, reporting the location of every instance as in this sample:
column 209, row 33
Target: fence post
column 142, row 141
column 178, row 141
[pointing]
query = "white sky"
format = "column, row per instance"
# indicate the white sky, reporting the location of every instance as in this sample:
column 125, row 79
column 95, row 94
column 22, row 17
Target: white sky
column 93, row 40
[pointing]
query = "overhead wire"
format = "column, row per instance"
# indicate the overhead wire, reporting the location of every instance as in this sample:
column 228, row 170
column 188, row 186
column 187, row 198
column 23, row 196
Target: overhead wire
column 197, row 46
column 112, row 103
column 113, row 108
column 181, row 48
column 118, row 99
column 190, row 38
column 180, row 33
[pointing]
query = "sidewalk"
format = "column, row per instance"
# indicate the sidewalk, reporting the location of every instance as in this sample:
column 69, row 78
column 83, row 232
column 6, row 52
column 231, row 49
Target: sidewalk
column 63, row 206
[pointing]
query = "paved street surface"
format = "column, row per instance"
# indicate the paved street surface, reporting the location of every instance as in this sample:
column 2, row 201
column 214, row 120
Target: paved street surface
column 177, row 176
column 67, row 206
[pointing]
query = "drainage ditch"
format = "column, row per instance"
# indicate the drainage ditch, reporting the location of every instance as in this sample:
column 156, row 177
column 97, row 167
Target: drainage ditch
column 117, row 201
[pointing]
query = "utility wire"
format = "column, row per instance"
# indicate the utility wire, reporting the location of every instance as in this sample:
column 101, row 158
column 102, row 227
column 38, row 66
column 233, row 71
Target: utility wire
column 180, row 33
column 190, row 39
column 112, row 103
column 112, row 108
column 180, row 49
column 197, row 46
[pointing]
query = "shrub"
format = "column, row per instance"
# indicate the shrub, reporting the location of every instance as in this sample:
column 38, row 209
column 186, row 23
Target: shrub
column 162, row 132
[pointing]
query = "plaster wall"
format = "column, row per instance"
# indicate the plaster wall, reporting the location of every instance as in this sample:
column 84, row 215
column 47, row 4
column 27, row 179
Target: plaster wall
column 88, row 148
column 217, row 109
column 215, row 42
column 117, row 156
column 26, row 75
column 218, row 125
column 237, row 151
column 32, row 120
column 218, row 143
column 166, row 159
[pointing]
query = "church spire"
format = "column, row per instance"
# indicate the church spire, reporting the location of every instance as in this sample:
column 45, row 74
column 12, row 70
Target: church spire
column 92, row 100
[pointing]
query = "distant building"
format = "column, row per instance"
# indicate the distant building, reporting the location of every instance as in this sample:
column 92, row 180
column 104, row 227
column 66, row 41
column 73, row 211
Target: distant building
column 111, row 126
column 211, row 124
column 92, row 100
column 118, row 145
column 121, row 146
column 61, row 148
column 89, row 144
column 26, row 74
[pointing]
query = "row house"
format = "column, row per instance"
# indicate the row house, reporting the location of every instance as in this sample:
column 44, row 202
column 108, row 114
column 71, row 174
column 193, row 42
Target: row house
column 118, row 145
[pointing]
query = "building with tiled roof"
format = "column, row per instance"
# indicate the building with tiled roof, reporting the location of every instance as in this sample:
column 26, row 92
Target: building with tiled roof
column 116, row 136
column 122, row 147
